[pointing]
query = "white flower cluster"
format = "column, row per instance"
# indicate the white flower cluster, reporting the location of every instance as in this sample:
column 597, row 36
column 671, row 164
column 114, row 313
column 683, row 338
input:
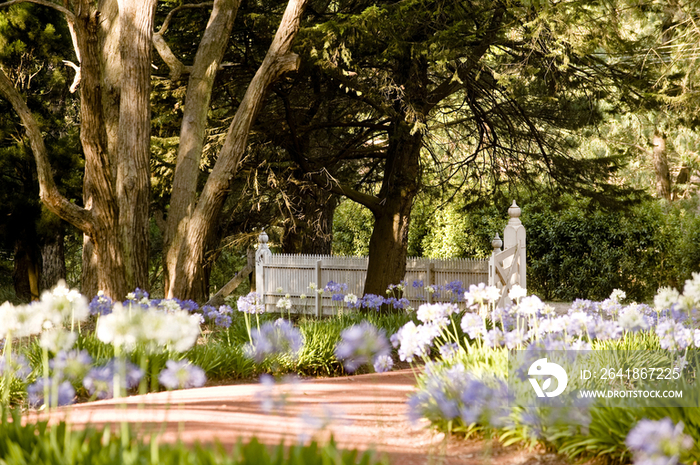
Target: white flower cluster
column 125, row 327
column 56, row 308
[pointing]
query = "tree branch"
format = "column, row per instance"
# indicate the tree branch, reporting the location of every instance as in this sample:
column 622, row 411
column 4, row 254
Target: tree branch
column 69, row 14
column 189, row 6
column 48, row 192
column 177, row 68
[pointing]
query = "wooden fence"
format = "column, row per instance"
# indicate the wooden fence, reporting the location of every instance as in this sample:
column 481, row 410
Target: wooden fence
column 277, row 275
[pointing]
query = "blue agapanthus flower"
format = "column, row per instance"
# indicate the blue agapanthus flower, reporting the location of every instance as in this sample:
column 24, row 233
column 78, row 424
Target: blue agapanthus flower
column 64, row 394
column 361, row 344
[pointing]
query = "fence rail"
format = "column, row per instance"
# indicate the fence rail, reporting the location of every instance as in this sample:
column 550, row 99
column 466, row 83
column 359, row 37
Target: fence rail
column 277, row 275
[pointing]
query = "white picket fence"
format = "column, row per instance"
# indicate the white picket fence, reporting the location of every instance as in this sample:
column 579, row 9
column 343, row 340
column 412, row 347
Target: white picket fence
column 277, row 275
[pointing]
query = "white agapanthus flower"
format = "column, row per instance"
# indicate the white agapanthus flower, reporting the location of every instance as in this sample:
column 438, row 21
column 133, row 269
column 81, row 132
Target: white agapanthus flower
column 632, row 320
column 618, row 295
column 517, row 292
column 57, row 339
column 665, row 298
column 350, row 299
column 121, row 328
column 692, row 288
column 285, row 303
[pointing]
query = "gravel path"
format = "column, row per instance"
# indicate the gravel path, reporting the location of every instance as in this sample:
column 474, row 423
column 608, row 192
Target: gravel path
column 369, row 412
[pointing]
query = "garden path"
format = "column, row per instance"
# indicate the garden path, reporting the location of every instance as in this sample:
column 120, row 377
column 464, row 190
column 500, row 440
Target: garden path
column 369, row 412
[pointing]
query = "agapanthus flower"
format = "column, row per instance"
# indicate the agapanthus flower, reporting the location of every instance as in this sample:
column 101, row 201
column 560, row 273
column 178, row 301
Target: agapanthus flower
column 335, row 288
column 673, row 335
column 99, row 381
column 665, row 298
column 19, row 367
column 607, row 330
column 138, row 298
column 473, row 325
column 360, row 344
column 350, row 299
column 275, row 339
column 413, row 341
column 284, row 303
column 121, row 328
column 494, row 338
column 481, row 295
column 529, row 306
column 72, row 364
column 181, row 375
column 57, row 339
column 517, row 292
column 100, row 304
column 632, row 320
column 251, row 303
column 437, row 313
column 456, row 288
column 383, row 363
column 65, row 393
column 658, row 442
column 692, row 288
column 583, row 306
column 449, row 350
column 372, row 301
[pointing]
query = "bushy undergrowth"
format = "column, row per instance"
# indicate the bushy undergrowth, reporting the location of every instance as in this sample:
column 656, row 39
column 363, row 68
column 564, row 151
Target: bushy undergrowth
column 40, row 444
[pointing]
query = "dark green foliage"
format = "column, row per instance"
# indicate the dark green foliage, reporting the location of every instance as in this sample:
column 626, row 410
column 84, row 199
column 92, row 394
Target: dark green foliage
column 585, row 252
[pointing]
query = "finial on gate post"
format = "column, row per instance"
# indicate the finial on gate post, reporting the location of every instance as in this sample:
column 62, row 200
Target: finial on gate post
column 263, row 238
column 514, row 213
column 496, row 243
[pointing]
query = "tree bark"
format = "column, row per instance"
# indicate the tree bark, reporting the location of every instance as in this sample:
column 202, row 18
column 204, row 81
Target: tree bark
column 134, row 137
column 187, row 269
column 53, row 259
column 192, row 132
column 388, row 244
column 98, row 184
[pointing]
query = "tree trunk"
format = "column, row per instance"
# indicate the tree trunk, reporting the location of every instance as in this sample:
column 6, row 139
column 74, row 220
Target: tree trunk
column 192, row 132
column 53, row 259
column 389, row 241
column 134, row 137
column 663, row 177
column 25, row 272
column 186, row 271
column 98, row 184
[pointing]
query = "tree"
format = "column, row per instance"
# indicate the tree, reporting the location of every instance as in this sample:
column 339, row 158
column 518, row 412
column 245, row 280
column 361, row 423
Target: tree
column 31, row 37
column 513, row 82
column 113, row 43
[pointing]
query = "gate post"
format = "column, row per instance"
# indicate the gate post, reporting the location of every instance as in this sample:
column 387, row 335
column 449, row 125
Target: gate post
column 514, row 236
column 262, row 255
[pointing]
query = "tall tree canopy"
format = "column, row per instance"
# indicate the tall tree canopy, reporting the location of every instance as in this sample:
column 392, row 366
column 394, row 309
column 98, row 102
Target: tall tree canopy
column 113, row 43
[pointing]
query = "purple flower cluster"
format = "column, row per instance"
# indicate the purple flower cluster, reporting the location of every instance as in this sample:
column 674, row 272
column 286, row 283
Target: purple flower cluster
column 220, row 316
column 63, row 392
column 658, row 442
column 362, row 344
column 181, row 375
column 371, row 301
column 275, row 339
column 100, row 305
column 99, row 381
column 452, row 392
column 252, row 303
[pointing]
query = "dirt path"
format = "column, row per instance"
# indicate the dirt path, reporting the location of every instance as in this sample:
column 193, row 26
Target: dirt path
column 369, row 412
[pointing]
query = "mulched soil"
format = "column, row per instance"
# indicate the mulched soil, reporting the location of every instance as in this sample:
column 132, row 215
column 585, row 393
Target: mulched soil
column 369, row 412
